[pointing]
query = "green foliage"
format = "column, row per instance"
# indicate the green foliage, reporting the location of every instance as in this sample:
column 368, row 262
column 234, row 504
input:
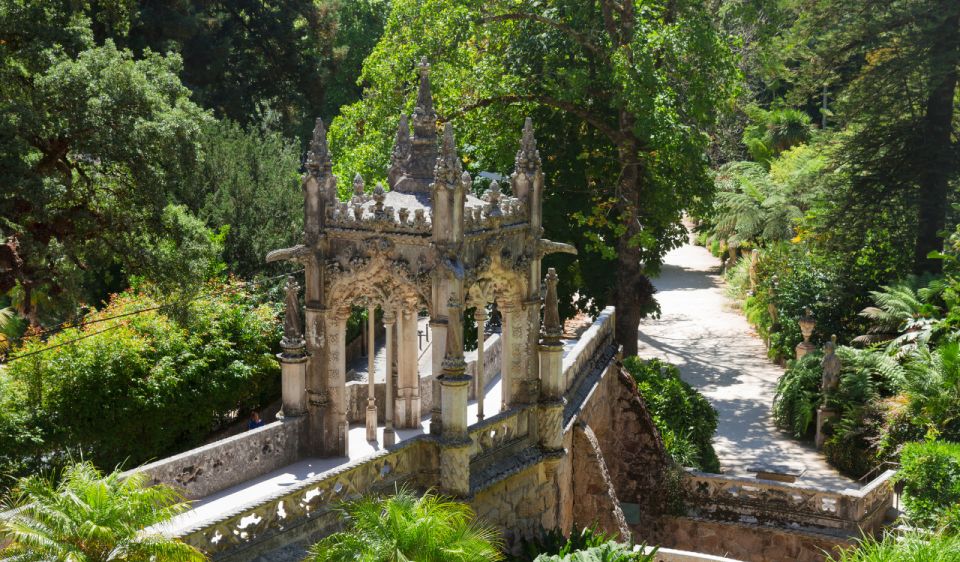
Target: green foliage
column 430, row 528
column 685, row 419
column 930, row 472
column 932, row 385
column 912, row 547
column 249, row 181
column 91, row 517
column 772, row 132
column 611, row 551
column 141, row 385
column 554, row 542
column 737, row 278
column 798, row 395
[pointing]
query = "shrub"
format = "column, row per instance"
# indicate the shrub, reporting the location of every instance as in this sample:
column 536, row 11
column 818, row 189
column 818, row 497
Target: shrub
column 685, row 419
column 738, row 280
column 914, row 547
column 133, row 384
column 798, row 395
column 607, row 552
column 930, row 472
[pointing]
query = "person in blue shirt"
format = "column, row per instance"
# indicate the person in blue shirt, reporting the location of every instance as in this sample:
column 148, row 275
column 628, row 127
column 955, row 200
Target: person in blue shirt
column 255, row 420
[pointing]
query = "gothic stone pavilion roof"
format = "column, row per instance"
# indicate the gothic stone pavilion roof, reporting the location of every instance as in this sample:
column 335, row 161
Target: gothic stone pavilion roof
column 430, row 205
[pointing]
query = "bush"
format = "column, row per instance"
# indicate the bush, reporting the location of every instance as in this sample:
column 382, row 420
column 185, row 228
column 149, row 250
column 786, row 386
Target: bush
column 798, row 396
column 915, row 547
column 132, row 386
column 930, row 472
column 685, row 419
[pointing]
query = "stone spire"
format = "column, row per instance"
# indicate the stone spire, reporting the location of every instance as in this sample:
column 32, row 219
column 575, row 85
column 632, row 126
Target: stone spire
column 552, row 329
column 448, row 169
column 424, row 117
column 528, row 157
column 318, row 155
column 358, row 185
column 401, row 153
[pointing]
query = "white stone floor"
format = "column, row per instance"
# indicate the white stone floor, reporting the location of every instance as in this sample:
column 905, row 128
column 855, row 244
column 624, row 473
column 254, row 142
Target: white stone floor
column 718, row 353
column 254, row 490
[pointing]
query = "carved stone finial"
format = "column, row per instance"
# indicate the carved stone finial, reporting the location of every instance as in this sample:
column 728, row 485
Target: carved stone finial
column 493, row 196
column 552, row 328
column 528, row 157
column 467, row 182
column 379, row 194
column 358, row 185
column 448, row 169
column 453, row 363
column 318, row 155
column 401, row 153
column 424, row 117
column 292, row 328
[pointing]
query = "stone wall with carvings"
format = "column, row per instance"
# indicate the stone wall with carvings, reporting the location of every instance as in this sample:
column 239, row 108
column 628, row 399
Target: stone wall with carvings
column 209, row 469
column 750, row 543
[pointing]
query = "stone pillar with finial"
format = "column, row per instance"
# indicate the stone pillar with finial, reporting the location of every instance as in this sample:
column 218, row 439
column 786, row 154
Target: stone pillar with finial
column 293, row 359
column 831, row 366
column 807, row 324
column 550, row 411
column 454, row 390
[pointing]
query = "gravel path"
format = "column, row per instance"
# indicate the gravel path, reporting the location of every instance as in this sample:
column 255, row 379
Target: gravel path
column 718, row 353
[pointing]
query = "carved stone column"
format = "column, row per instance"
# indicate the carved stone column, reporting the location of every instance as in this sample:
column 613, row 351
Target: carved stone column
column 408, row 378
column 293, row 359
column 480, row 315
column 371, row 374
column 316, row 383
column 514, row 368
column 338, row 438
column 389, row 322
column 455, row 448
column 550, row 411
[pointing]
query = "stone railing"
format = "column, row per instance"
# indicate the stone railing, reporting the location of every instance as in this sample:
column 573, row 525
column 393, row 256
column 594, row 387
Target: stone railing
column 765, row 502
column 597, row 336
column 315, row 501
column 497, row 433
column 219, row 465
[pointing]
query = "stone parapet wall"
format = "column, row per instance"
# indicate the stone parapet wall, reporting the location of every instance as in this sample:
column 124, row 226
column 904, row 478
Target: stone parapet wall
column 673, row 555
column 750, row 543
column 599, row 334
column 764, row 502
column 206, row 470
column 308, row 511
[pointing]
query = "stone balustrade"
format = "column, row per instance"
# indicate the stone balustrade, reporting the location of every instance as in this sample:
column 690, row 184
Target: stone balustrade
column 313, row 502
column 597, row 336
column 764, row 502
column 494, row 434
column 672, row 555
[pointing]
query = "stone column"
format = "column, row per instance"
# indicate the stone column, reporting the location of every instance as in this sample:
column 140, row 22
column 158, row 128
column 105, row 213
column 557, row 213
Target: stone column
column 438, row 339
column 371, row 374
column 514, row 368
column 337, row 383
column 550, row 411
column 293, row 359
column 455, row 448
column 316, row 384
column 480, row 315
column 408, row 379
column 389, row 322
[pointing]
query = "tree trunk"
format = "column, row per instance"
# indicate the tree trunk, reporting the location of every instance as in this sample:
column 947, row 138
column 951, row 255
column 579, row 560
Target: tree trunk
column 938, row 165
column 631, row 291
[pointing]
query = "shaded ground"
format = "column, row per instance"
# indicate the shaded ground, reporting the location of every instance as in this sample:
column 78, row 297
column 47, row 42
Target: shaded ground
column 720, row 355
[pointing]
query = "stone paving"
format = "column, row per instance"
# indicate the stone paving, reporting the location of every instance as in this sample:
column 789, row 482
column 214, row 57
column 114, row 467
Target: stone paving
column 718, row 353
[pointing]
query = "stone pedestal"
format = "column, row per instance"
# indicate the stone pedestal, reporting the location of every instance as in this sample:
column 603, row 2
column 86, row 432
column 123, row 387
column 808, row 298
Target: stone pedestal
column 293, row 373
column 804, row 348
column 824, row 415
column 550, row 411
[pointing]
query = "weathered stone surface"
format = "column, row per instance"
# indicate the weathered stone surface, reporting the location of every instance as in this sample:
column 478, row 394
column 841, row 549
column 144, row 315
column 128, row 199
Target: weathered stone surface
column 750, row 543
column 206, row 470
column 594, row 498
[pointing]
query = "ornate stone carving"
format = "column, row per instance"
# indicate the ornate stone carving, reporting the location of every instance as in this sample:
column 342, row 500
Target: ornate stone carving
column 292, row 327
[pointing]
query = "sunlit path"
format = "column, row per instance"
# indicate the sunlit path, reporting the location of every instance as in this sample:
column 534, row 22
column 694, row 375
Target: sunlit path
column 718, row 353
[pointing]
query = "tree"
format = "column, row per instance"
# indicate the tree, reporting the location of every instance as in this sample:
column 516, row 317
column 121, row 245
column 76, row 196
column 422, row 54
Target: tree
column 899, row 107
column 637, row 83
column 91, row 517
column 256, row 60
column 429, row 528
column 94, row 144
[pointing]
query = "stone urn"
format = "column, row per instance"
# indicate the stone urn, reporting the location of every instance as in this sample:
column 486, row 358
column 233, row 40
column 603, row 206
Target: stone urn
column 807, row 324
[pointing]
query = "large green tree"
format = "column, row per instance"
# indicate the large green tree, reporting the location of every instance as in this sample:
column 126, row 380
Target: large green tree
column 633, row 84
column 895, row 65
column 94, row 143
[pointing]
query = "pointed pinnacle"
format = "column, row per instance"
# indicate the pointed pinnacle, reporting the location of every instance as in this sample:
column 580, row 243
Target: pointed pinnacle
column 318, row 155
column 528, row 157
column 403, row 131
column 424, row 96
column 358, row 184
column 449, row 144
